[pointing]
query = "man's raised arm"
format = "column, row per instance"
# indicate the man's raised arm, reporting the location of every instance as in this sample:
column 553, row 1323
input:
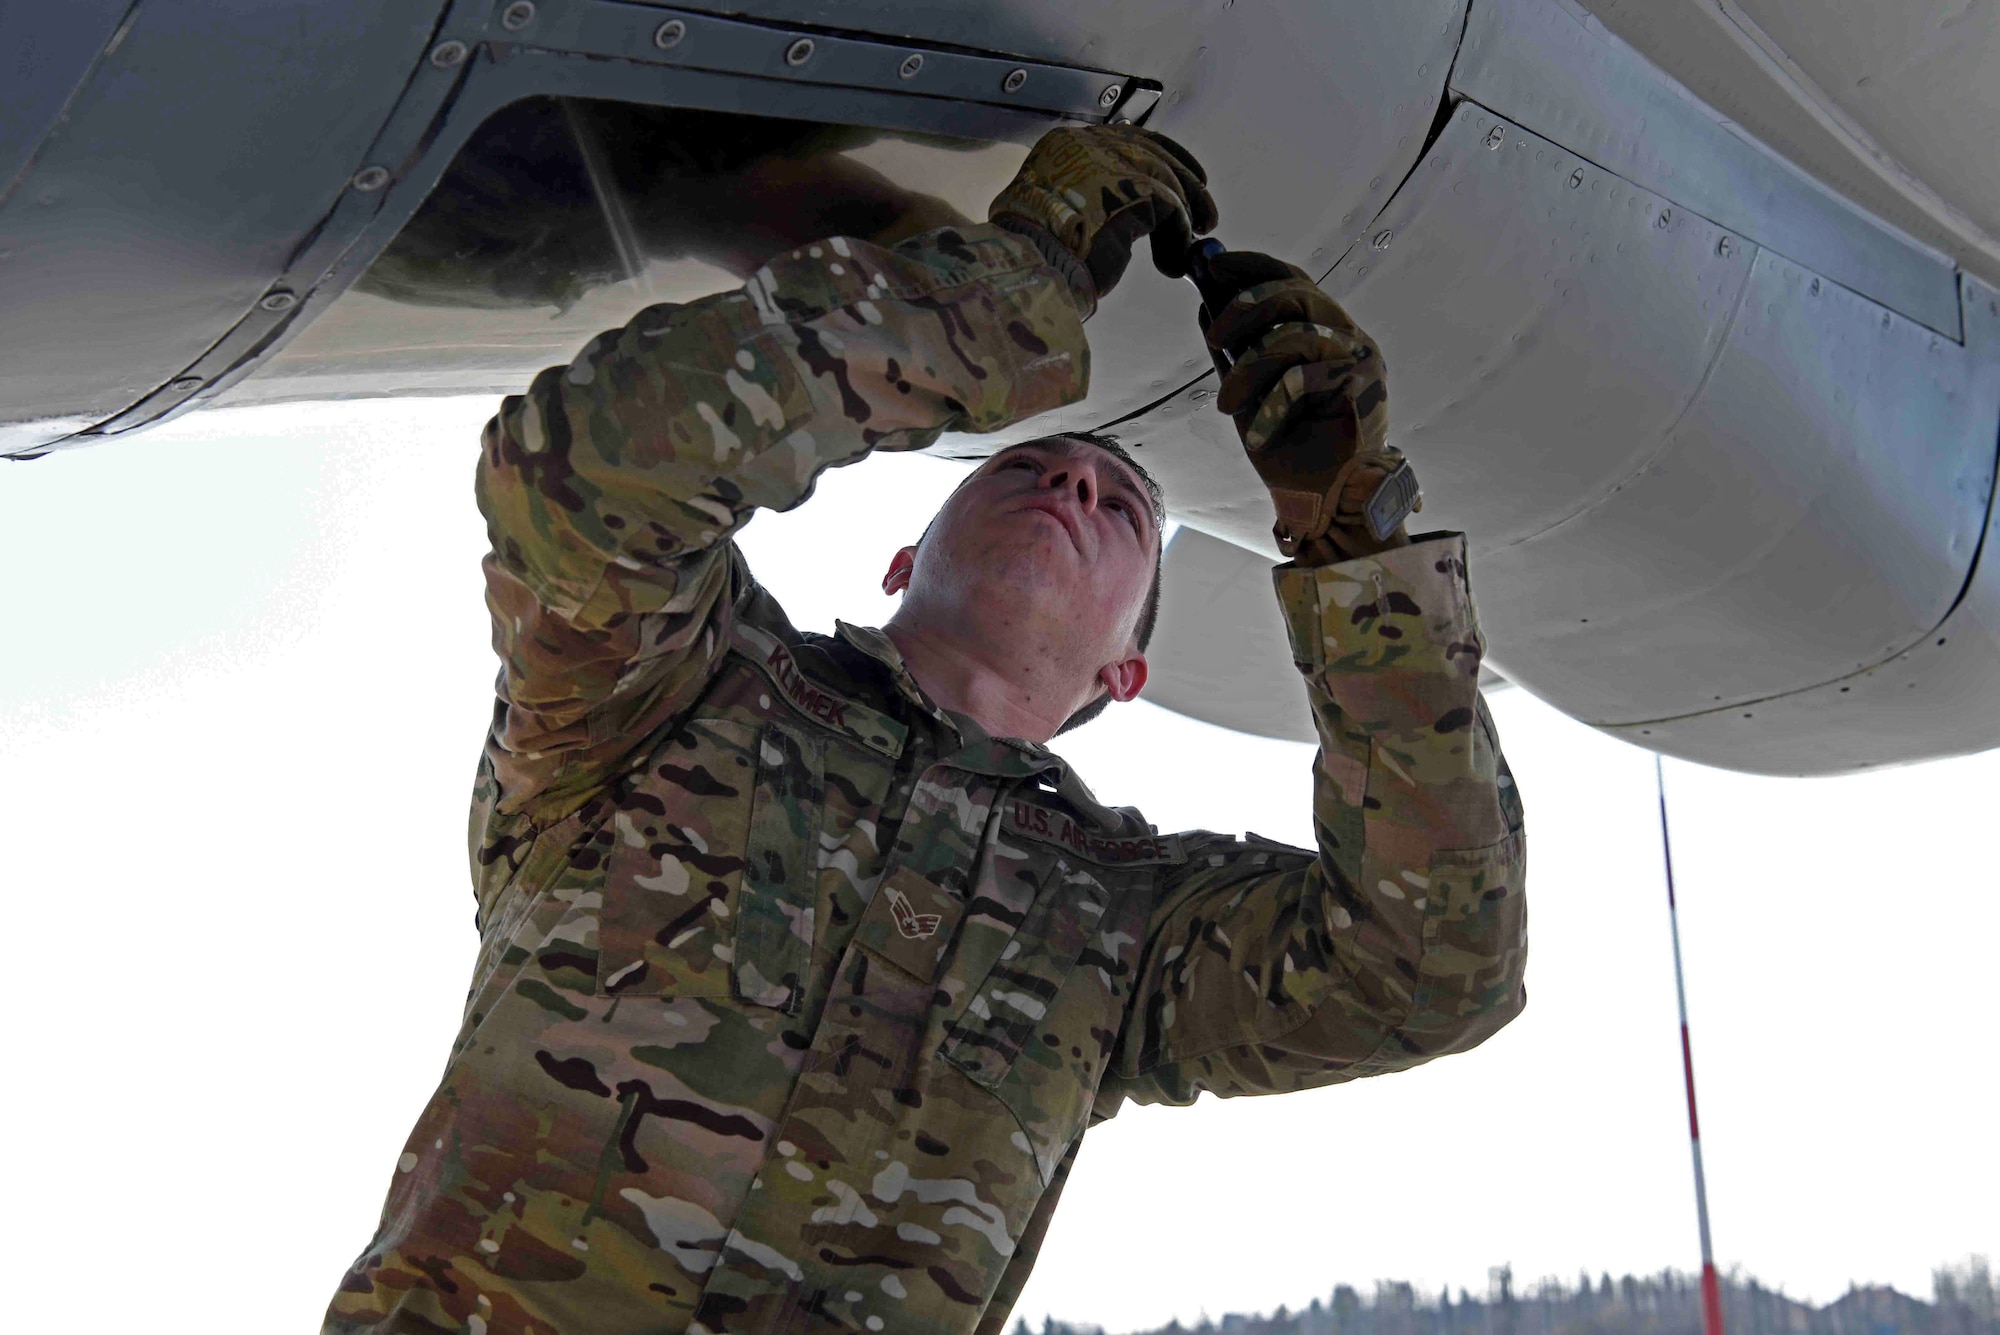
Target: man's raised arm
column 612, row 487
column 1404, row 937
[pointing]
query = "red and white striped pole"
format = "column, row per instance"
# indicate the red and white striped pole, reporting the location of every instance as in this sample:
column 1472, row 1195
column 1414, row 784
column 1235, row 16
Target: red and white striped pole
column 1711, row 1287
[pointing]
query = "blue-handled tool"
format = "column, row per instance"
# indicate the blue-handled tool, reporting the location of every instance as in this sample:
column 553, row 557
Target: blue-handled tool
column 1214, row 296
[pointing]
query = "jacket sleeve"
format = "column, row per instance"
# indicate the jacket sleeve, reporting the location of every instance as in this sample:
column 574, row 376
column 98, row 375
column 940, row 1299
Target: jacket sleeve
column 1403, row 938
column 613, row 487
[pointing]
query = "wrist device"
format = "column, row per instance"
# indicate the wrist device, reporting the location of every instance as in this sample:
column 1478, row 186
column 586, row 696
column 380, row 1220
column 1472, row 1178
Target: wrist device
column 1395, row 499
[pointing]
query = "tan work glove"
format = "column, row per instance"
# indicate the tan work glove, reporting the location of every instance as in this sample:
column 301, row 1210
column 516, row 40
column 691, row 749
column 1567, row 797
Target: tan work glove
column 1088, row 192
column 1310, row 397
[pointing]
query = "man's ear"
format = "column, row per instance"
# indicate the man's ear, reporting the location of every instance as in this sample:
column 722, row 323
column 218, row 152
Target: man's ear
column 900, row 566
column 1125, row 678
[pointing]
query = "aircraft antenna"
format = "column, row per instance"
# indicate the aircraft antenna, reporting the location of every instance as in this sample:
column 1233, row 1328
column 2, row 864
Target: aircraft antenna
column 1711, row 1287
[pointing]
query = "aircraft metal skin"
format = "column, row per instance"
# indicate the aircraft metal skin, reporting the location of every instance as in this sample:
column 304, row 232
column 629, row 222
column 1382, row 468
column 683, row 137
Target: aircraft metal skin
column 1720, row 420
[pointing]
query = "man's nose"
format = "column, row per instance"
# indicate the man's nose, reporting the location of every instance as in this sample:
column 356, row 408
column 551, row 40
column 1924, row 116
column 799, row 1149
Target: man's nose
column 1076, row 480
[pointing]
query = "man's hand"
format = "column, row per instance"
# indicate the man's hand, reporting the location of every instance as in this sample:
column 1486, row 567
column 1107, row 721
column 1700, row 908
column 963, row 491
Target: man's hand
column 1088, row 192
column 1310, row 396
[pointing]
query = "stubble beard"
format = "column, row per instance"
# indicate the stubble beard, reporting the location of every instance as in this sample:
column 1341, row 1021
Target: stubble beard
column 1016, row 598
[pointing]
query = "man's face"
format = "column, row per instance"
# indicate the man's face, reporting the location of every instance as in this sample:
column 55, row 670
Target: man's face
column 1053, row 537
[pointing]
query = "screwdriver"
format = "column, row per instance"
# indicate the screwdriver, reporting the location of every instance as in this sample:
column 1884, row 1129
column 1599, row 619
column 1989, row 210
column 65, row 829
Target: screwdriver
column 1397, row 495
column 1214, row 296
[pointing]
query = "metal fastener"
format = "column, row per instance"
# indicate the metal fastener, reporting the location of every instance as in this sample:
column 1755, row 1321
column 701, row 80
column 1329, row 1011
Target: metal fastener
column 369, row 178
column 1109, row 97
column 517, row 15
column 1666, row 219
column 278, row 299
column 447, row 54
column 1495, row 135
column 1382, row 239
column 1723, row 247
column 186, row 384
column 1200, row 396
column 1012, row 83
column 1815, row 287
column 668, row 35
column 799, row 52
column 1576, row 178
column 911, row 64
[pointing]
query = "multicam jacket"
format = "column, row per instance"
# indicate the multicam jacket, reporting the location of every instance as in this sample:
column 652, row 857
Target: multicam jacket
column 797, row 992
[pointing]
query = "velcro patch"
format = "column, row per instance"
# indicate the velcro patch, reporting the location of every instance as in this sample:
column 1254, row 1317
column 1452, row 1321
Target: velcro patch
column 911, row 922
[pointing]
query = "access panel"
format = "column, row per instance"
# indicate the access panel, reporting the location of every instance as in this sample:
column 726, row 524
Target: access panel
column 1697, row 477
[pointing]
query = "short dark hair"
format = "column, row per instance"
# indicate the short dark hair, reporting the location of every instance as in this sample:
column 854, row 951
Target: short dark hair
column 1149, row 611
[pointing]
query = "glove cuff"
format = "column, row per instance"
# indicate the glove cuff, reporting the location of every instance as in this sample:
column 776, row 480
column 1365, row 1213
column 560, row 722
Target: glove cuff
column 1314, row 515
column 1057, row 256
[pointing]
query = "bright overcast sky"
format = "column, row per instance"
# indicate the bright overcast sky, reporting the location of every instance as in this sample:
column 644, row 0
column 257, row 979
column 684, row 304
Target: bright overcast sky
column 246, row 680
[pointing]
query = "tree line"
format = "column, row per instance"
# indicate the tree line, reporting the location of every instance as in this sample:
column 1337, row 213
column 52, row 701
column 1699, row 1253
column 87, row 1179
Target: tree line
column 1962, row 1303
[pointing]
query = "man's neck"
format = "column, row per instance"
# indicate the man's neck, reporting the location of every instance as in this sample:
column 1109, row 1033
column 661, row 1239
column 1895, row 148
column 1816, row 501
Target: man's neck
column 1018, row 699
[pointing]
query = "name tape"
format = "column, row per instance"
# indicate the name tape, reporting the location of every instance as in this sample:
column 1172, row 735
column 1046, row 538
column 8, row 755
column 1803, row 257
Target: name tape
column 822, row 705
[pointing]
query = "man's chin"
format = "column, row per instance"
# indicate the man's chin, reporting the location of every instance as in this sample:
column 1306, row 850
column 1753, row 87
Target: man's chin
column 1045, row 552
column 1042, row 569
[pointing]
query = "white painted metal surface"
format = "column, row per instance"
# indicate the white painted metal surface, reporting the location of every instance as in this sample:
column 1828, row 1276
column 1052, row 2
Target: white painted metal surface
column 1916, row 78
column 1544, row 65
column 1764, row 484
column 1544, row 327
column 1887, row 102
column 1932, row 698
column 1837, row 466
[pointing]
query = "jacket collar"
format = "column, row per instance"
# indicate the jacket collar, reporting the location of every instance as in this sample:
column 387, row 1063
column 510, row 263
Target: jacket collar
column 877, row 645
column 979, row 753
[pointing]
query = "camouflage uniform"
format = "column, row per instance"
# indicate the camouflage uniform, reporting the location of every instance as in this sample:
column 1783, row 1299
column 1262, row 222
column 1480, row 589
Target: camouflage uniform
column 797, row 992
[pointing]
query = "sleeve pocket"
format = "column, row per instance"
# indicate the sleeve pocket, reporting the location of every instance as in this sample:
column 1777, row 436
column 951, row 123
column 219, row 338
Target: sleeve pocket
column 1475, row 932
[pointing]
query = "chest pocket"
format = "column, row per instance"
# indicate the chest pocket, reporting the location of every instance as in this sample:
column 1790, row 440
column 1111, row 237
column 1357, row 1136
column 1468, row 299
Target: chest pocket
column 1039, row 1029
column 708, row 892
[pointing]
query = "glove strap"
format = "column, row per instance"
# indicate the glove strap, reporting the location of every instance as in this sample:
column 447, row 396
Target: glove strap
column 1306, row 516
column 1312, row 523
